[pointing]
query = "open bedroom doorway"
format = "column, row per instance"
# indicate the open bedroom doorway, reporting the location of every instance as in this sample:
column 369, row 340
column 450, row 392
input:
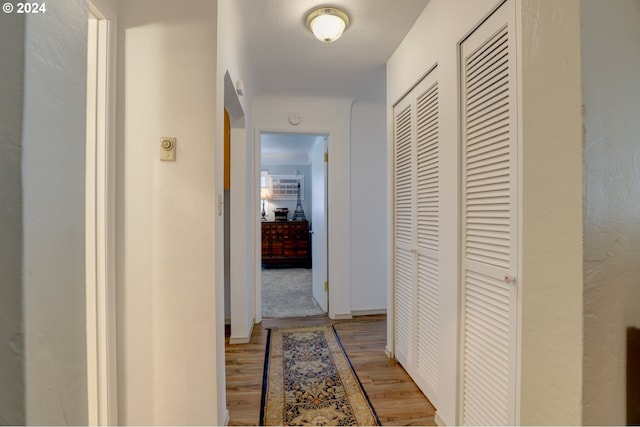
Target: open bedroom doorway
column 293, row 205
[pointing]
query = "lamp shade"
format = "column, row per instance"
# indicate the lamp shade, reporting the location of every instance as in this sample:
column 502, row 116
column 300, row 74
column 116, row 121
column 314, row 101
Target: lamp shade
column 264, row 193
column 327, row 23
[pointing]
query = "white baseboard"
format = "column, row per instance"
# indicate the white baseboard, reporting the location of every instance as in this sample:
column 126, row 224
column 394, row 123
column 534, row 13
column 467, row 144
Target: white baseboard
column 346, row 316
column 243, row 339
column 388, row 352
column 226, row 417
column 369, row 312
column 439, row 420
column 239, row 340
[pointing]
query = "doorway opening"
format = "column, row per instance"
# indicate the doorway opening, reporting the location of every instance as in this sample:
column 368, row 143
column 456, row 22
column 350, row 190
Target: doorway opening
column 234, row 206
column 294, row 224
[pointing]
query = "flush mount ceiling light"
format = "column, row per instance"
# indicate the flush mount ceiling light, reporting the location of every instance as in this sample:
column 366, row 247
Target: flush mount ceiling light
column 327, row 23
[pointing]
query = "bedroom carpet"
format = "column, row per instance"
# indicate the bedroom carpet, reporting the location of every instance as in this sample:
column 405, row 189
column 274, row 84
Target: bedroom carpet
column 287, row 292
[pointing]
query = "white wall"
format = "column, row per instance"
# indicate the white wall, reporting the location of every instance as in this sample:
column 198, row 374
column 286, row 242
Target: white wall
column 304, row 170
column 551, row 223
column 550, row 277
column 611, row 66
column 170, row 312
column 232, row 56
column 53, row 214
column 552, row 209
column 368, row 207
column 12, row 392
column 232, row 67
column 242, row 214
column 331, row 116
column 357, row 150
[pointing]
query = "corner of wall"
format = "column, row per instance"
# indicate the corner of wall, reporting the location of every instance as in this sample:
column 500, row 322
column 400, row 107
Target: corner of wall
column 53, row 172
column 551, row 234
column 12, row 352
column 610, row 33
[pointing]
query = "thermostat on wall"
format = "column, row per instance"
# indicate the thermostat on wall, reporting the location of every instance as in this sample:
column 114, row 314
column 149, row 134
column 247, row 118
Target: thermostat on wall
column 168, row 149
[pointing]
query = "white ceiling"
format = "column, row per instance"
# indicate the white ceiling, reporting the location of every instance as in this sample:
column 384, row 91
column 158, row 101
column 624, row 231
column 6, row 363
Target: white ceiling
column 286, row 60
column 287, row 148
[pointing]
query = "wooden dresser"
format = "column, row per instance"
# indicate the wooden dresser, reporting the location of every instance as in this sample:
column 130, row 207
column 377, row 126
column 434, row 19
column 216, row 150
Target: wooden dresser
column 286, row 244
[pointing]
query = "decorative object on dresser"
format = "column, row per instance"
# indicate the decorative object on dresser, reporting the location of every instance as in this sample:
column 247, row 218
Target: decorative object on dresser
column 298, row 215
column 264, row 196
column 281, row 214
column 286, row 244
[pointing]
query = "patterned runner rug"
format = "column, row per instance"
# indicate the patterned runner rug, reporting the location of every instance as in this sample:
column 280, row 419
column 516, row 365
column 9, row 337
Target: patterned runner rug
column 309, row 381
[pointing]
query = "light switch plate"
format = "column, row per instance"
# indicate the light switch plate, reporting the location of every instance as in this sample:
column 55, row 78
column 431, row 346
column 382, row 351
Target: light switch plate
column 168, row 149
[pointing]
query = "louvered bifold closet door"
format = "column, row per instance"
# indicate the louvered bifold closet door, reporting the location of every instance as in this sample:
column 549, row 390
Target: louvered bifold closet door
column 404, row 234
column 489, row 294
column 417, row 233
column 428, row 234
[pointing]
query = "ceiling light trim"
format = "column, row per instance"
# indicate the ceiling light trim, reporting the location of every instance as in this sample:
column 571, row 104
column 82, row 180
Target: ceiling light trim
column 335, row 33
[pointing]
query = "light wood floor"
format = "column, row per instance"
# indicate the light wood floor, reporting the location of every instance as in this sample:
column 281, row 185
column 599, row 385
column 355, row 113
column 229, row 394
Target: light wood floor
column 394, row 396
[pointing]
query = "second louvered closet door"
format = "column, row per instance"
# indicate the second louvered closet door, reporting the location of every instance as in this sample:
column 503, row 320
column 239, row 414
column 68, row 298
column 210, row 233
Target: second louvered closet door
column 489, row 232
column 417, row 233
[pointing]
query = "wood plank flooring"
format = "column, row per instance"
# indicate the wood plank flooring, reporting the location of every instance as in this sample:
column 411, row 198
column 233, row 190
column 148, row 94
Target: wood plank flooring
column 394, row 396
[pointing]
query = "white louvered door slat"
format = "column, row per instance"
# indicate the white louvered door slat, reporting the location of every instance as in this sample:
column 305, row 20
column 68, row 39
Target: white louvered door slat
column 404, row 226
column 428, row 234
column 417, row 234
column 489, row 303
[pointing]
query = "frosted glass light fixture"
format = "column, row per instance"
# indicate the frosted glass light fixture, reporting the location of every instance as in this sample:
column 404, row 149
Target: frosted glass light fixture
column 327, row 23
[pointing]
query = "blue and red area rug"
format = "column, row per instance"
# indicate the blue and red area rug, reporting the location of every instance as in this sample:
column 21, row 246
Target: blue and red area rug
column 309, row 381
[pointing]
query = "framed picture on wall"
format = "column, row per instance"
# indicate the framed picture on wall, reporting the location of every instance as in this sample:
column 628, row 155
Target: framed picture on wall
column 264, row 179
column 285, row 187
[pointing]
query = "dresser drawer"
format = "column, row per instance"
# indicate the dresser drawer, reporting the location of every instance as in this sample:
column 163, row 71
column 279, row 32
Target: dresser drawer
column 286, row 244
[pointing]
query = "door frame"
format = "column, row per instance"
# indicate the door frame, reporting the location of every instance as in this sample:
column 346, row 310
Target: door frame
column 236, row 220
column 325, row 237
column 257, row 148
column 100, row 230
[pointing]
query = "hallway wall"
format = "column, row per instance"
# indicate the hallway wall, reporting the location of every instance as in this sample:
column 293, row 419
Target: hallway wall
column 322, row 116
column 170, row 314
column 12, row 389
column 369, row 186
column 232, row 68
column 551, row 193
column 53, row 173
column 611, row 66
